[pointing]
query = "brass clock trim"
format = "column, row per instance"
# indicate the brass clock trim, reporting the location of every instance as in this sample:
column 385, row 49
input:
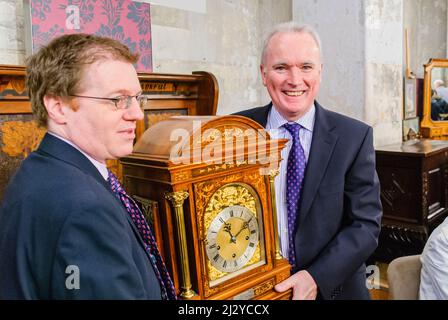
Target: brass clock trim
column 272, row 175
column 177, row 200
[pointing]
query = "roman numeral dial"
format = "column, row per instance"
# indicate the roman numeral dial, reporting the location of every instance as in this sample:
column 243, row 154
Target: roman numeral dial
column 232, row 238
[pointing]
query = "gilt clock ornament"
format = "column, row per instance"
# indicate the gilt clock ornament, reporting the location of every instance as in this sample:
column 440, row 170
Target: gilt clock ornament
column 211, row 180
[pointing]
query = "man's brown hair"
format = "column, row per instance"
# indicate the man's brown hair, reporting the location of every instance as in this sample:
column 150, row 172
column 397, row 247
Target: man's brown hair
column 57, row 68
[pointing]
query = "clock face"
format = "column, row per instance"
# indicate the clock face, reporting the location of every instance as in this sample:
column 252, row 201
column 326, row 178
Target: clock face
column 233, row 233
column 232, row 238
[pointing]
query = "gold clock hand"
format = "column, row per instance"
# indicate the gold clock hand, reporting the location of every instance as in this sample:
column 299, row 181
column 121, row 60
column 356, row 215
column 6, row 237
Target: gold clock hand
column 227, row 228
column 245, row 226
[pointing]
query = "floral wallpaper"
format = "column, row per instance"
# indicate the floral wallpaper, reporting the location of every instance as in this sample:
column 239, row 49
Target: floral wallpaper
column 123, row 20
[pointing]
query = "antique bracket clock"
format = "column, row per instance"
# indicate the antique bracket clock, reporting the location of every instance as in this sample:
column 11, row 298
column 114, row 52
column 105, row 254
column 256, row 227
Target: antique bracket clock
column 206, row 185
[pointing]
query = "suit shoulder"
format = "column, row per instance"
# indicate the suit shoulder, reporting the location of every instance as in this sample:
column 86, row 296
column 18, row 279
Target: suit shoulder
column 53, row 171
column 250, row 112
column 344, row 123
column 48, row 184
column 259, row 114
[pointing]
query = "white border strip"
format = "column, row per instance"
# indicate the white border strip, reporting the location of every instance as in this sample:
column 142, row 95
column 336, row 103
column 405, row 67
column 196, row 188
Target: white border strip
column 190, row 5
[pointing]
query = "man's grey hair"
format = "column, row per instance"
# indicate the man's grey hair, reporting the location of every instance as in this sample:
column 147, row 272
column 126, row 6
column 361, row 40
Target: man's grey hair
column 290, row 27
column 437, row 83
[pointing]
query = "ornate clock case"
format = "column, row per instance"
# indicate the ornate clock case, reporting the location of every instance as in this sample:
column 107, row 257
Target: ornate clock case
column 206, row 184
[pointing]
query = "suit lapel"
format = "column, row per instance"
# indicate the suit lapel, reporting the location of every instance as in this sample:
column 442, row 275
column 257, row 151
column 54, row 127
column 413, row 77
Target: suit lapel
column 322, row 147
column 262, row 116
column 321, row 150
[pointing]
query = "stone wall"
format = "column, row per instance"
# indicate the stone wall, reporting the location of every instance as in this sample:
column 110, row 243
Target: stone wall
column 225, row 41
column 12, row 40
column 426, row 22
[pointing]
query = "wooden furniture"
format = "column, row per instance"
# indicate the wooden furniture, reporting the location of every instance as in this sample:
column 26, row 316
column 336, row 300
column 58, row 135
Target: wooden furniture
column 207, row 186
column 168, row 95
column 414, row 195
column 434, row 124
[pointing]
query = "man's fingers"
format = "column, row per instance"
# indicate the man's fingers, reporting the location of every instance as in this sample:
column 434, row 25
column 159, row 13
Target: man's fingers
column 284, row 285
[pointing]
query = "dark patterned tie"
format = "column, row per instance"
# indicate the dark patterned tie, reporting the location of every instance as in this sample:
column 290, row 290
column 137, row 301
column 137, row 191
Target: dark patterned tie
column 295, row 173
column 166, row 284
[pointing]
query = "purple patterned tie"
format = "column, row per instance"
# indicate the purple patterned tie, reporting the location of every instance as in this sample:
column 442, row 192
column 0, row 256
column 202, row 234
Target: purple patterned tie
column 294, row 179
column 166, row 284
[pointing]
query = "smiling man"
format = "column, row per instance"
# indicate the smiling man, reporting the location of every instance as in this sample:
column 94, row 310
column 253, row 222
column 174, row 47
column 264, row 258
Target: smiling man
column 68, row 230
column 328, row 201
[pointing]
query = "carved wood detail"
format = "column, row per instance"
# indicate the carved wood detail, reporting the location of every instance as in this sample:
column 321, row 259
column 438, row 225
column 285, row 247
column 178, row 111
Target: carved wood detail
column 393, row 191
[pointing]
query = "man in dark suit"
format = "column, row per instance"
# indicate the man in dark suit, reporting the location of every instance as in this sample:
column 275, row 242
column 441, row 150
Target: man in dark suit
column 64, row 230
column 328, row 202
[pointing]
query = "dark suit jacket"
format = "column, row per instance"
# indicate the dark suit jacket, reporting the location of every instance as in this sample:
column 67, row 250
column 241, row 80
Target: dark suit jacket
column 340, row 208
column 58, row 211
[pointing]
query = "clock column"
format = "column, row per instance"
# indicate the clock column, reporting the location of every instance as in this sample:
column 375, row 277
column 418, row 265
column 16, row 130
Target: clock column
column 177, row 200
column 272, row 175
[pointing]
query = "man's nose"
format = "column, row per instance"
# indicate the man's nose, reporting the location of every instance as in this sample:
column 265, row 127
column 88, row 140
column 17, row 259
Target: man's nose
column 134, row 112
column 295, row 77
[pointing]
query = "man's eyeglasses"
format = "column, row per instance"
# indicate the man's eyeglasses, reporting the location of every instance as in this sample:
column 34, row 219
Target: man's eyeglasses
column 121, row 102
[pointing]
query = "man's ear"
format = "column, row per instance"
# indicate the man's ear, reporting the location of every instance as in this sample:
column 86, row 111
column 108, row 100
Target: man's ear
column 263, row 74
column 56, row 109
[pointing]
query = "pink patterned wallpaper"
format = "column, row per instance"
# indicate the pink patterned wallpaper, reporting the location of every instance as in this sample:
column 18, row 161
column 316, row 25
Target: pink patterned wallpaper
column 124, row 20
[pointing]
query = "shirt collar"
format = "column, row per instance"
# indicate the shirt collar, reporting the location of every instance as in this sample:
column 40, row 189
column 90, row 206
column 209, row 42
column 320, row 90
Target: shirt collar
column 102, row 168
column 276, row 120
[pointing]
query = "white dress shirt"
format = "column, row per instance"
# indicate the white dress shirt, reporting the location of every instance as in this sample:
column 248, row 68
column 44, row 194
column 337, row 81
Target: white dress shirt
column 102, row 168
column 274, row 127
column 434, row 273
